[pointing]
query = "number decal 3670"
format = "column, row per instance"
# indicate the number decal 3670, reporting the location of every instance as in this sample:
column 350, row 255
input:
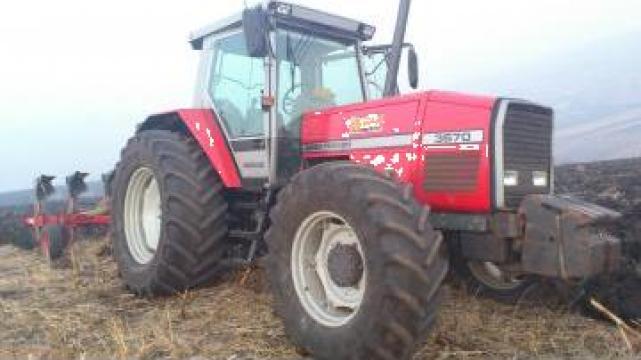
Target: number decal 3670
column 453, row 137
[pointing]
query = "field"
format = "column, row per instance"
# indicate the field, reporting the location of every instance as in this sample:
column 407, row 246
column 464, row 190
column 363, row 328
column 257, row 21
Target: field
column 82, row 310
column 79, row 309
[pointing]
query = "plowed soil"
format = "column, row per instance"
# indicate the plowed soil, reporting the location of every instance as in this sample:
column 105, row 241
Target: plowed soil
column 78, row 308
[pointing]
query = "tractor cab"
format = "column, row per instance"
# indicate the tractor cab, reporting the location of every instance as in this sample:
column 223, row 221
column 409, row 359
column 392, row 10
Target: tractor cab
column 262, row 69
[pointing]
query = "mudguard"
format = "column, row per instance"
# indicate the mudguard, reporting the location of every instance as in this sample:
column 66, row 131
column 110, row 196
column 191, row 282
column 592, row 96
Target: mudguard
column 205, row 129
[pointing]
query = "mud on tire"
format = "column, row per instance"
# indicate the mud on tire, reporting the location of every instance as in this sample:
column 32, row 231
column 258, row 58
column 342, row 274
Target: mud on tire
column 405, row 258
column 193, row 225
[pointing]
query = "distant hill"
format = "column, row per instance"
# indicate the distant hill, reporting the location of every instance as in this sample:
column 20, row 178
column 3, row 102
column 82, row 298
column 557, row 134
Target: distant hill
column 596, row 93
column 24, row 197
column 616, row 136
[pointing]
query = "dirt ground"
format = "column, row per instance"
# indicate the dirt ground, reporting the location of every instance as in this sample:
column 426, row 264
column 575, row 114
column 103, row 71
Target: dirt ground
column 80, row 310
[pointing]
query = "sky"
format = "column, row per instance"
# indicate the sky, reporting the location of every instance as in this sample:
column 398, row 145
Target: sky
column 76, row 76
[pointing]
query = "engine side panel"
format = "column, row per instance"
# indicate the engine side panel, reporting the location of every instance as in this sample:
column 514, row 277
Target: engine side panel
column 383, row 134
column 396, row 136
column 204, row 127
column 455, row 174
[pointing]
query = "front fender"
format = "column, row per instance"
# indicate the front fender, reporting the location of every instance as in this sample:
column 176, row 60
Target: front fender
column 203, row 126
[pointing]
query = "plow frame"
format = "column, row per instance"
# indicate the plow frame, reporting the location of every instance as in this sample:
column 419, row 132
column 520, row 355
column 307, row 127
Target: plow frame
column 47, row 228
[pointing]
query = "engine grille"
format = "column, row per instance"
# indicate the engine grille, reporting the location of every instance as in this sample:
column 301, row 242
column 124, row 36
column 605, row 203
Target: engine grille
column 527, row 147
column 451, row 172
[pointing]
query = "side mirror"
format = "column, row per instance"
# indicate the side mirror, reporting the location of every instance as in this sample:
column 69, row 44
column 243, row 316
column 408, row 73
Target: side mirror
column 412, row 68
column 256, row 29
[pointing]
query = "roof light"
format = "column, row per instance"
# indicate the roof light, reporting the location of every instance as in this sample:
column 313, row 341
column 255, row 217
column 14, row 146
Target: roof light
column 368, row 30
column 284, row 9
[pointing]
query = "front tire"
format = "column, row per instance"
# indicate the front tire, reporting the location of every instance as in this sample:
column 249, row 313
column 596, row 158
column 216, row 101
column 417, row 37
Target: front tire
column 168, row 214
column 488, row 279
column 379, row 265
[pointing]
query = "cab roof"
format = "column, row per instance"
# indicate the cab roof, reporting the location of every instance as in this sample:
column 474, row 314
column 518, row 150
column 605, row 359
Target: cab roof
column 295, row 17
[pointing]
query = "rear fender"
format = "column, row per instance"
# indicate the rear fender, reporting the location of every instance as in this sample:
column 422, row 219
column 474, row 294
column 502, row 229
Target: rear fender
column 203, row 126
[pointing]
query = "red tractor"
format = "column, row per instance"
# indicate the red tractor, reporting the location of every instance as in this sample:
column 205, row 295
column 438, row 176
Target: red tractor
column 358, row 204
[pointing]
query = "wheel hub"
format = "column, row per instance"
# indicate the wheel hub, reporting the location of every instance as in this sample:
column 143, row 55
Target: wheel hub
column 142, row 215
column 328, row 269
column 345, row 265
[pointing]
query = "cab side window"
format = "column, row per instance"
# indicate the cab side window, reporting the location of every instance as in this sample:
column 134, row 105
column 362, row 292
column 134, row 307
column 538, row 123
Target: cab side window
column 236, row 85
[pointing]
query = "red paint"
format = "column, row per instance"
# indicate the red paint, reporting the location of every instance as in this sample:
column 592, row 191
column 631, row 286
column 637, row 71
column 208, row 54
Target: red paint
column 204, row 127
column 38, row 224
column 398, row 117
column 448, row 116
column 84, row 219
column 68, row 220
column 413, row 115
column 400, row 114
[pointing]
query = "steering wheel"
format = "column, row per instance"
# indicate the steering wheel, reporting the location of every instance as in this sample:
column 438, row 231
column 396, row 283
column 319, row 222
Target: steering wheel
column 289, row 99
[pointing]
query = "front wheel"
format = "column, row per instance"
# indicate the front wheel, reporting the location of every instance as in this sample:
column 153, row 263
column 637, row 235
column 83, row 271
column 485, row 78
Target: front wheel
column 486, row 278
column 355, row 266
column 493, row 280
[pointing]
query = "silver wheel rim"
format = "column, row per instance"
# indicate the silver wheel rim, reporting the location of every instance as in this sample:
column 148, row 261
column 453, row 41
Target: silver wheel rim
column 322, row 298
column 143, row 215
column 493, row 276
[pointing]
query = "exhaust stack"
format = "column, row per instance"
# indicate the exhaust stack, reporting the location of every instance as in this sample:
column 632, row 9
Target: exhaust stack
column 391, row 82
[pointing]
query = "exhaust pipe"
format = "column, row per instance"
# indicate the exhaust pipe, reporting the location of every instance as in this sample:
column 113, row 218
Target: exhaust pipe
column 391, row 82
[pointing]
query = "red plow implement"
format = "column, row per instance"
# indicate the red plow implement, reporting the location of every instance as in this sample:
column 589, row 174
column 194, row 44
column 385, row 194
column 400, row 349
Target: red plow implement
column 54, row 227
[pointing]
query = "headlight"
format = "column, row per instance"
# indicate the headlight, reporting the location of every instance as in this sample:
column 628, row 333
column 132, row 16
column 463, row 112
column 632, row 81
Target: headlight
column 511, row 178
column 540, row 178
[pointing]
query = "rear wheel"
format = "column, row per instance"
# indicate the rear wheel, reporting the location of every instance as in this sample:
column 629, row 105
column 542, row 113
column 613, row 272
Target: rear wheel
column 355, row 266
column 168, row 213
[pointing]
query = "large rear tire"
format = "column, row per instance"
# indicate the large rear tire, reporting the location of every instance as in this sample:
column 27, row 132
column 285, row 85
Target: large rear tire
column 168, row 214
column 354, row 264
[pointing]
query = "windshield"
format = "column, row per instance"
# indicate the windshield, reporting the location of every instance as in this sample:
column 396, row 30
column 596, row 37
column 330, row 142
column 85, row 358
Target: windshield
column 313, row 74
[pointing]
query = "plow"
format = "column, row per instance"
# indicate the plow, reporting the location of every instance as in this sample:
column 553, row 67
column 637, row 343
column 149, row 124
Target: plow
column 55, row 229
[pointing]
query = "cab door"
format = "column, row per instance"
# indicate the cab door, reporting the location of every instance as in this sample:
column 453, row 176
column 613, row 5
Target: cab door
column 235, row 87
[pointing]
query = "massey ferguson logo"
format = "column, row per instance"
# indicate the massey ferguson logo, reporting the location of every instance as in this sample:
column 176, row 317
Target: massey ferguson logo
column 364, row 124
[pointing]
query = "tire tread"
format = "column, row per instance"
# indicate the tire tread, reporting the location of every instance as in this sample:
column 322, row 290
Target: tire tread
column 196, row 209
